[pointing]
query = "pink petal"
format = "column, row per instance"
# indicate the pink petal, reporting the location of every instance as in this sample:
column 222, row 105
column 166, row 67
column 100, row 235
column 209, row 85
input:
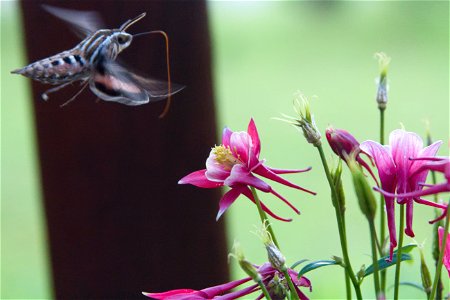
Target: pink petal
column 240, row 145
column 446, row 257
column 390, row 214
column 223, row 288
column 265, row 172
column 253, row 132
column 404, row 145
column 384, row 162
column 179, row 294
column 239, row 293
column 226, row 135
column 199, row 179
column 416, row 177
column 409, row 219
column 286, row 171
column 246, row 191
column 214, row 171
column 227, row 199
column 285, row 201
column 240, row 175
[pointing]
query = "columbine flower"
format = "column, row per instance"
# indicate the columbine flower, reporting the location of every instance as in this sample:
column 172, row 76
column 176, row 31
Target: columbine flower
column 234, row 164
column 345, row 146
column 397, row 173
column 446, row 257
column 272, row 279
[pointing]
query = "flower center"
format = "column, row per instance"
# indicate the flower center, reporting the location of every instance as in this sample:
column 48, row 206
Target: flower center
column 225, row 157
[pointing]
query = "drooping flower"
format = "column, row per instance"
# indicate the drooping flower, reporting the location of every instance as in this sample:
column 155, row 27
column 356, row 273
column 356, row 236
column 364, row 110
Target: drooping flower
column 397, row 173
column 345, row 146
column 273, row 280
column 446, row 257
column 234, row 164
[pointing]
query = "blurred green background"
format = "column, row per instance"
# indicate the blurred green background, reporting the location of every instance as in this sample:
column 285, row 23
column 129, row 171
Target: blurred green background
column 263, row 52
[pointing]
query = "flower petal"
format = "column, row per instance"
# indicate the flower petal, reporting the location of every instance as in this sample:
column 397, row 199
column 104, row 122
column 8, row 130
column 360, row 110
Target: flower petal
column 265, row 172
column 285, row 201
column 199, row 179
column 390, row 214
column 240, row 145
column 409, row 219
column 223, row 288
column 384, row 162
column 241, row 175
column 226, row 135
column 214, row 171
column 227, row 199
column 180, row 294
column 288, row 171
column 246, row 191
column 256, row 144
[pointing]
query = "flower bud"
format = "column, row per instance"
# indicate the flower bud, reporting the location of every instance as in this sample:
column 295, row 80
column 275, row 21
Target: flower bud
column 306, row 120
column 342, row 142
column 337, row 182
column 366, row 199
column 276, row 258
column 427, row 283
column 245, row 265
column 382, row 90
column 276, row 288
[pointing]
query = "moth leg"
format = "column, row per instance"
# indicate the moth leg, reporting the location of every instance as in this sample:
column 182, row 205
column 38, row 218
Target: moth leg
column 55, row 89
column 76, row 95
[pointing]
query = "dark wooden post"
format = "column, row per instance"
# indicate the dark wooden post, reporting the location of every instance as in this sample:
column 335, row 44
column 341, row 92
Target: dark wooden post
column 118, row 222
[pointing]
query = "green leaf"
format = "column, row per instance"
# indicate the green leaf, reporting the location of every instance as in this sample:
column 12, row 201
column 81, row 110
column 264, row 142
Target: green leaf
column 384, row 264
column 298, row 263
column 406, row 249
column 412, row 284
column 316, row 264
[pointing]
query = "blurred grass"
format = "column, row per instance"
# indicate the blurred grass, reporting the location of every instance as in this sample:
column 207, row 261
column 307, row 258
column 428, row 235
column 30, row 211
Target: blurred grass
column 24, row 261
column 265, row 51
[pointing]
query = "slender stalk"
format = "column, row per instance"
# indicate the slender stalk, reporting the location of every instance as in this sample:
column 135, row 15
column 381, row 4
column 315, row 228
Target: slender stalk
column 348, row 288
column 263, row 217
column 294, row 294
column 373, row 240
column 341, row 226
column 399, row 251
column 264, row 290
column 382, row 212
column 441, row 255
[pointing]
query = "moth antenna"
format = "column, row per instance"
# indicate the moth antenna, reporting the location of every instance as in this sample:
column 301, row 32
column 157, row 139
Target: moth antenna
column 131, row 22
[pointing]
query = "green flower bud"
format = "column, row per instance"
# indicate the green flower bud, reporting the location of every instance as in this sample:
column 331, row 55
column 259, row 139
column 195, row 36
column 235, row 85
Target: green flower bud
column 366, row 199
column 277, row 288
column 382, row 97
column 337, row 182
column 245, row 265
column 427, row 283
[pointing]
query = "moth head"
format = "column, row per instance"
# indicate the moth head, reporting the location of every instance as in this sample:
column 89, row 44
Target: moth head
column 123, row 40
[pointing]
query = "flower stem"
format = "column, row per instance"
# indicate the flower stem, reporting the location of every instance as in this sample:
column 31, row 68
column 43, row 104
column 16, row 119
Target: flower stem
column 441, row 255
column 348, row 288
column 373, row 240
column 263, row 217
column 399, row 251
column 382, row 212
column 341, row 226
column 264, row 290
column 290, row 284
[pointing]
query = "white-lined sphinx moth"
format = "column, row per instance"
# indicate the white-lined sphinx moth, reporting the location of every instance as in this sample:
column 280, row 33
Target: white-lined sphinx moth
column 93, row 62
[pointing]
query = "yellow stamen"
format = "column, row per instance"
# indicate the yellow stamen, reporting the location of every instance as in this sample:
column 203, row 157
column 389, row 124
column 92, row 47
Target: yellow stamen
column 224, row 157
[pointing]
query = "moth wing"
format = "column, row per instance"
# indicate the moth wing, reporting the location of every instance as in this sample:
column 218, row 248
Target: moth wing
column 84, row 22
column 112, row 82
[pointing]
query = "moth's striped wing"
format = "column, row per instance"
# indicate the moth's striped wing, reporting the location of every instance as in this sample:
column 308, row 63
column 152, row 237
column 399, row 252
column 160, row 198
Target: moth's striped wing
column 112, row 82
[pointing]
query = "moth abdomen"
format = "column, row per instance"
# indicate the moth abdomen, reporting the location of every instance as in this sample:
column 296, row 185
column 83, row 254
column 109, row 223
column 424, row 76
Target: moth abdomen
column 63, row 67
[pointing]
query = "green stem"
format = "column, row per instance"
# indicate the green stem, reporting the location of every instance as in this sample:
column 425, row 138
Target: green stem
column 290, row 284
column 382, row 212
column 263, row 217
column 264, row 290
column 441, row 255
column 399, row 251
column 348, row 288
column 341, row 226
column 373, row 240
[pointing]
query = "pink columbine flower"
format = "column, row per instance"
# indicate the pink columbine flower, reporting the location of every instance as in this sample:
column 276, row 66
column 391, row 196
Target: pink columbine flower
column 234, row 163
column 222, row 291
column 345, row 145
column 446, row 257
column 398, row 174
